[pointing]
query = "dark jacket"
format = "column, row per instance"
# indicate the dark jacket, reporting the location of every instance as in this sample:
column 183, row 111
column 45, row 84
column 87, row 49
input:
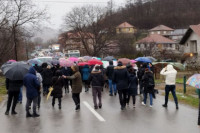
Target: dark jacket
column 58, row 83
column 96, row 79
column 85, row 71
column 110, row 71
column 148, row 82
column 13, row 85
column 31, row 83
column 47, row 76
column 120, row 77
column 133, row 84
column 140, row 73
column 76, row 81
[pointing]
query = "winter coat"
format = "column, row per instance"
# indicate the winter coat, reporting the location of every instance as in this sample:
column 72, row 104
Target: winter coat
column 31, row 83
column 13, row 85
column 140, row 73
column 58, row 83
column 47, row 75
column 133, row 84
column 109, row 72
column 170, row 74
column 85, row 71
column 120, row 77
column 76, row 81
column 96, row 79
column 148, row 82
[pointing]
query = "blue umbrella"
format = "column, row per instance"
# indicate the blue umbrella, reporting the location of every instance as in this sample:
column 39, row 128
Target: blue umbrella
column 143, row 59
column 34, row 62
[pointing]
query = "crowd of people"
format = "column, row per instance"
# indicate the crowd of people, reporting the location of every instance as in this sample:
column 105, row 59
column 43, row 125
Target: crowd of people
column 122, row 80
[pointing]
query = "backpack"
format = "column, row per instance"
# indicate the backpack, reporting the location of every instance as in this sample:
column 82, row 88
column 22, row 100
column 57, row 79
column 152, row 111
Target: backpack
column 150, row 82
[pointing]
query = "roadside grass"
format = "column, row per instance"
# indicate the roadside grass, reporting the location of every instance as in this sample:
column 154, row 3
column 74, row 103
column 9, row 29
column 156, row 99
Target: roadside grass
column 3, row 90
column 186, row 99
column 178, row 80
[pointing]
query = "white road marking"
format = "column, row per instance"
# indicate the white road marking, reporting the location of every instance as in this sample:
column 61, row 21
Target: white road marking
column 94, row 112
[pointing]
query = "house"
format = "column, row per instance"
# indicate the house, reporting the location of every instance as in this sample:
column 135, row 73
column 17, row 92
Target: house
column 161, row 30
column 157, row 43
column 125, row 28
column 191, row 41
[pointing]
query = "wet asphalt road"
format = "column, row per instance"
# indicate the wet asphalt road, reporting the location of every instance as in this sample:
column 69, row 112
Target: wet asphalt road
column 142, row 119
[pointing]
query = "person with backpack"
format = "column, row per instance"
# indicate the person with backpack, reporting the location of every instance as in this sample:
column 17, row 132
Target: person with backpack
column 140, row 74
column 132, row 87
column 109, row 74
column 149, row 84
column 97, row 81
column 120, row 77
column 170, row 82
column 58, row 83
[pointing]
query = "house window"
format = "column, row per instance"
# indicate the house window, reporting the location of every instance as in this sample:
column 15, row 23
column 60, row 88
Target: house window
column 170, row 45
column 164, row 32
column 152, row 32
column 158, row 32
column 193, row 46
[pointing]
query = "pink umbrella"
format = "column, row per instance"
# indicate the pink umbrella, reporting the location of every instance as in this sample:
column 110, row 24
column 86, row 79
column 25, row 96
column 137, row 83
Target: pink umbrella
column 69, row 63
column 124, row 61
column 133, row 61
column 12, row 61
column 74, row 59
column 63, row 62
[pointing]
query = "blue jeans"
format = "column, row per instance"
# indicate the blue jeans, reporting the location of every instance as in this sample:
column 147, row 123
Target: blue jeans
column 20, row 95
column 171, row 88
column 151, row 98
column 112, row 86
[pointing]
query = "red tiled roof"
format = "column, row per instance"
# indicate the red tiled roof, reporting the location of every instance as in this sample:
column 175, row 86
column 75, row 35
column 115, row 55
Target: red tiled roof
column 161, row 28
column 156, row 39
column 196, row 29
column 125, row 25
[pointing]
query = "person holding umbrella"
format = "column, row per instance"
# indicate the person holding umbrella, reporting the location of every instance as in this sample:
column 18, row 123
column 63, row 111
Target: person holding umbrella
column 121, row 77
column 76, row 85
column 32, row 85
column 13, row 88
column 170, row 82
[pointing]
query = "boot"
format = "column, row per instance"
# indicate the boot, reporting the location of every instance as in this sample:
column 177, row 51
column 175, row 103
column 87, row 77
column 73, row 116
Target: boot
column 35, row 115
column 77, row 107
column 7, row 113
column 28, row 114
column 13, row 112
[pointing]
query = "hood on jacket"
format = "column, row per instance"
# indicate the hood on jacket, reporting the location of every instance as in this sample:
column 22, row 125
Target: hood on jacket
column 170, row 68
column 120, row 67
column 76, row 68
column 32, row 71
column 119, row 63
column 110, row 62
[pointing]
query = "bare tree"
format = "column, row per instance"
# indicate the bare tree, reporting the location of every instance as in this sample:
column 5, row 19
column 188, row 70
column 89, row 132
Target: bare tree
column 89, row 23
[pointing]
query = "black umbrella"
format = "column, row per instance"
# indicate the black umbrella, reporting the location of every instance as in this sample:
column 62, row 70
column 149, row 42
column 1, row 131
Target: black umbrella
column 109, row 58
column 16, row 70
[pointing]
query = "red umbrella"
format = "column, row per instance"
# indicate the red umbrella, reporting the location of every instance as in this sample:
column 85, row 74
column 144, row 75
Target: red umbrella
column 83, row 63
column 124, row 61
column 95, row 62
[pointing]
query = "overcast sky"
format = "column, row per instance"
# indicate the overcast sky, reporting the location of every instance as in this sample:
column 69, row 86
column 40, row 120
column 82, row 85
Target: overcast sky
column 58, row 8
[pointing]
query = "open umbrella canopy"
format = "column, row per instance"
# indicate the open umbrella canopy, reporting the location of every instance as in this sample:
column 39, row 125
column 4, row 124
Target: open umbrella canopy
column 124, row 61
column 87, row 58
column 194, row 81
column 143, row 59
column 55, row 62
column 16, row 70
column 34, row 62
column 133, row 61
column 105, row 64
column 11, row 60
column 95, row 62
column 83, row 63
column 152, row 58
column 175, row 64
column 73, row 59
column 109, row 58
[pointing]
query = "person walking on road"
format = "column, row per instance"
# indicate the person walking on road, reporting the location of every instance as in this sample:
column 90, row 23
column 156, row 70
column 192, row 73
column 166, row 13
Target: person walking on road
column 58, row 84
column 140, row 74
column 85, row 71
column 13, row 88
column 76, row 86
column 121, row 77
column 149, row 84
column 32, row 85
column 132, row 87
column 47, row 76
column 97, row 80
column 109, row 74
column 170, row 82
